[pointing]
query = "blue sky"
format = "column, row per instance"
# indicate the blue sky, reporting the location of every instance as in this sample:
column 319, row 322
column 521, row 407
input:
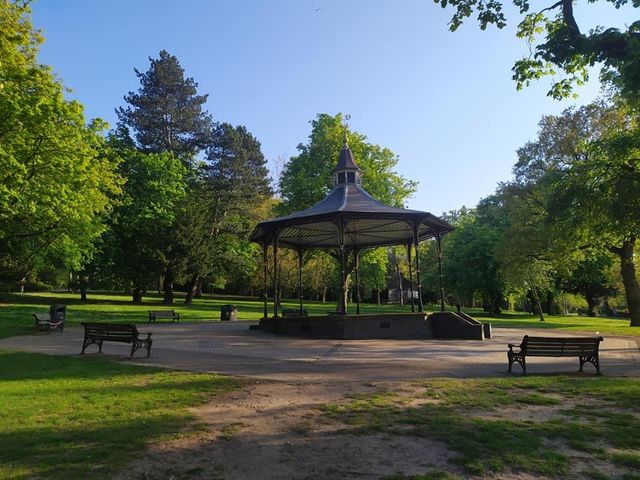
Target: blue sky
column 444, row 102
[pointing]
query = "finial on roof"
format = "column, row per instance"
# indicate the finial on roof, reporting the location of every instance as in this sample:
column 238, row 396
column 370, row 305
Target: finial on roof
column 345, row 125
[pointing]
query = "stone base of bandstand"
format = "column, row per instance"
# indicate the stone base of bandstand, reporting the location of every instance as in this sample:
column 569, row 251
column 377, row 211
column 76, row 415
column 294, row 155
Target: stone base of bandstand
column 352, row 327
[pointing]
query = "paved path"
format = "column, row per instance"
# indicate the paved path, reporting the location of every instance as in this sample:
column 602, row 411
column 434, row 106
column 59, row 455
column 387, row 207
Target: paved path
column 230, row 348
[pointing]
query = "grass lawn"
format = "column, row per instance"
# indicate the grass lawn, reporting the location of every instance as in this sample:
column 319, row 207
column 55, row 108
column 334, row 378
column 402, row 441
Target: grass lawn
column 558, row 427
column 600, row 325
column 68, row 418
column 16, row 310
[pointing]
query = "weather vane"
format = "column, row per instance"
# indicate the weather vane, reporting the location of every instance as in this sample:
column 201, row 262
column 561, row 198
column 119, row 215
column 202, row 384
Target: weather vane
column 345, row 125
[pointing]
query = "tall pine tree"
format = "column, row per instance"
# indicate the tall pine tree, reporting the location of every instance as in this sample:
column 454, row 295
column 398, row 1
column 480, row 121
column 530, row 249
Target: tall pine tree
column 166, row 114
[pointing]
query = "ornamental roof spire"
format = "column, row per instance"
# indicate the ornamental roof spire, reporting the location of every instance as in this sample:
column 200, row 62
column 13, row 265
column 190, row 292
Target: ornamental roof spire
column 346, row 171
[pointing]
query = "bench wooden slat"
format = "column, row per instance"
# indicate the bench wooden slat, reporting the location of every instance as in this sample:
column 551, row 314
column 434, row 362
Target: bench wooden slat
column 156, row 314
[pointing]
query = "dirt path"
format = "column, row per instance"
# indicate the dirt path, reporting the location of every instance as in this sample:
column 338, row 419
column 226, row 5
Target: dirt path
column 275, row 430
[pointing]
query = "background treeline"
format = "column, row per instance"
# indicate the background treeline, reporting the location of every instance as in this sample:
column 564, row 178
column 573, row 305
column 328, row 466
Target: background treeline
column 566, row 224
column 166, row 199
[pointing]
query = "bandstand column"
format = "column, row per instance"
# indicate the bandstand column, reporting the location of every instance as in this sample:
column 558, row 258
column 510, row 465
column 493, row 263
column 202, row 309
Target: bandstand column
column 416, row 240
column 275, row 275
column 265, row 273
column 356, row 252
column 343, row 269
column 413, row 303
column 300, row 253
column 439, row 245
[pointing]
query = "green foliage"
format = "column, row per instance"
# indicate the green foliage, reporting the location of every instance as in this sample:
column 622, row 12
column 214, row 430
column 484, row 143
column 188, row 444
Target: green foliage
column 592, row 277
column 373, row 270
column 69, row 418
column 564, row 53
column 166, row 113
column 56, row 178
column 469, row 264
column 307, row 177
column 134, row 249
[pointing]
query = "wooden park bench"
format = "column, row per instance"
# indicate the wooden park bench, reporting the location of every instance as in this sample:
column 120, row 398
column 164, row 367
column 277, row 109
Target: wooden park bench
column 585, row 348
column 96, row 333
column 54, row 320
column 159, row 314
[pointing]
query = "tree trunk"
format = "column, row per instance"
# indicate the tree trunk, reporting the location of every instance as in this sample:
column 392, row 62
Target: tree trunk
column 592, row 303
column 198, row 293
column 629, row 279
column 324, row 294
column 167, row 286
column 83, row 284
column 137, row 295
column 191, row 289
column 537, row 298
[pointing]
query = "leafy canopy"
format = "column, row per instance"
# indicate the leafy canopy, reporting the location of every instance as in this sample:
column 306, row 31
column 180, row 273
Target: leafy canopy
column 558, row 47
column 57, row 181
column 306, row 178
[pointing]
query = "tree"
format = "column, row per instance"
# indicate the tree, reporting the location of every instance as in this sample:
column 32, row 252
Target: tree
column 590, row 183
column 142, row 226
column 373, row 271
column 565, row 48
column 470, row 265
column 231, row 187
column 57, row 181
column 591, row 278
column 307, row 178
column 320, row 273
column 166, row 114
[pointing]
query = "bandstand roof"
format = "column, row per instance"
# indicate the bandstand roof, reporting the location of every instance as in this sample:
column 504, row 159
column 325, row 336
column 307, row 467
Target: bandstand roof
column 365, row 221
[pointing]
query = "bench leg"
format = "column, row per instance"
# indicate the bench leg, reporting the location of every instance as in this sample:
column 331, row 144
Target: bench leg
column 90, row 341
column 593, row 359
column 516, row 358
column 149, row 348
column 134, row 347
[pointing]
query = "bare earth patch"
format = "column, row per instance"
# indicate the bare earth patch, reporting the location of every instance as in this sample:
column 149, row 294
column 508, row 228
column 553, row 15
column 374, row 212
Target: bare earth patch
column 273, row 430
column 277, row 430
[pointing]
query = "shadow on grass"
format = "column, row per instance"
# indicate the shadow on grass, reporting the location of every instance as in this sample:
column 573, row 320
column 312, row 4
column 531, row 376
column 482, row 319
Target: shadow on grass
column 88, row 450
column 69, row 418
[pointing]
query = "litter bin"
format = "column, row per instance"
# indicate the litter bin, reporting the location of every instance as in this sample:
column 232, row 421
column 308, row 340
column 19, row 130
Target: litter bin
column 58, row 313
column 228, row 312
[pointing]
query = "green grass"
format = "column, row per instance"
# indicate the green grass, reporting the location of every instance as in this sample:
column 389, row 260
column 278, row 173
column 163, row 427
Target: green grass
column 68, row 418
column 594, row 416
column 600, row 325
column 16, row 310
